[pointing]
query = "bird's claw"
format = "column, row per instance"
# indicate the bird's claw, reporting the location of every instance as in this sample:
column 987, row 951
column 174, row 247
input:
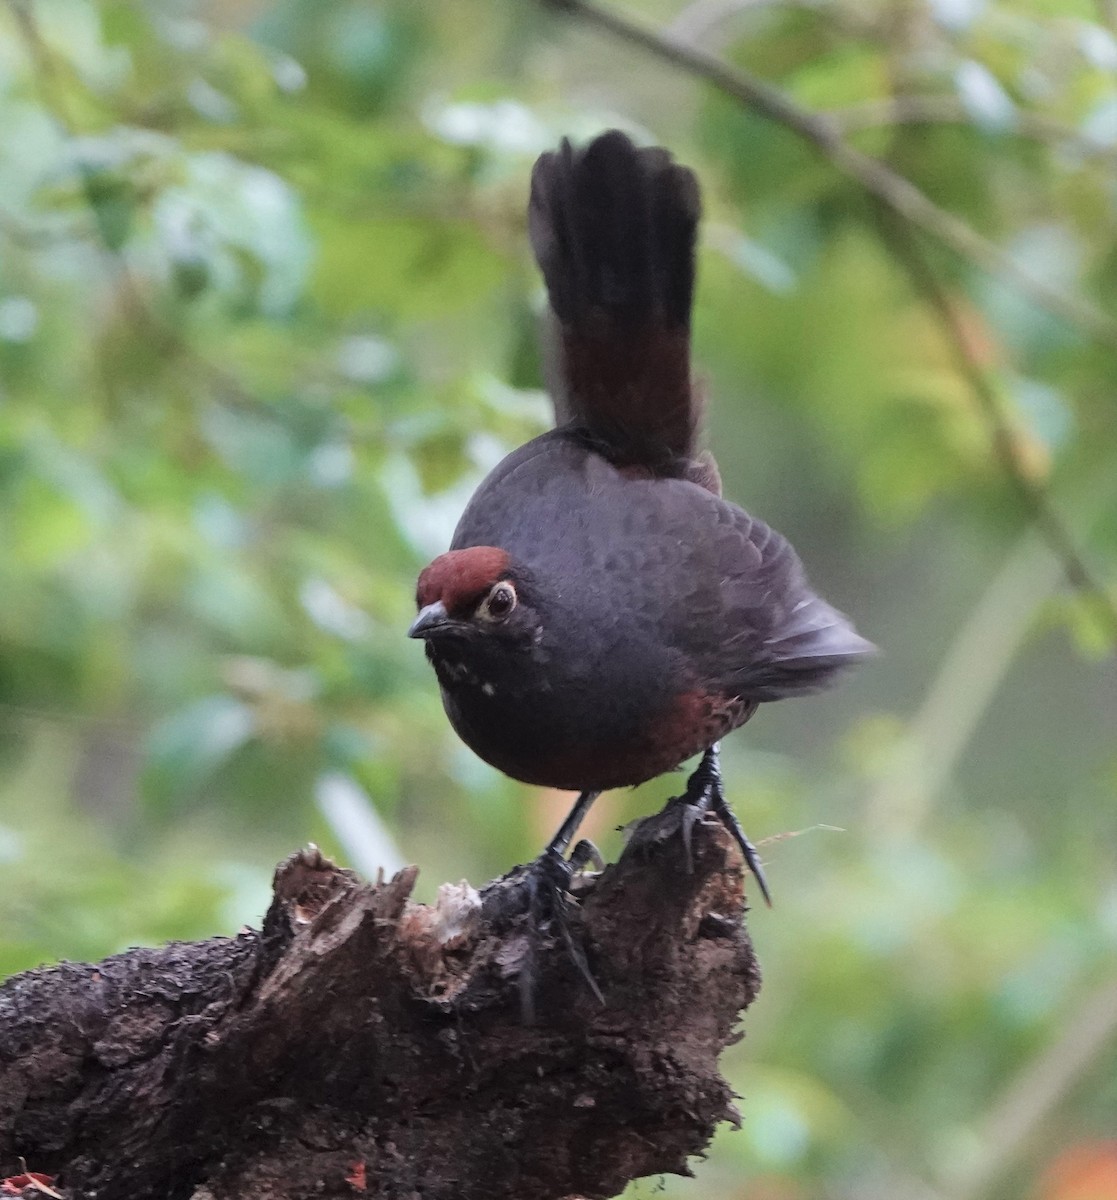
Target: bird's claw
column 703, row 794
column 548, row 879
column 690, row 814
column 585, row 854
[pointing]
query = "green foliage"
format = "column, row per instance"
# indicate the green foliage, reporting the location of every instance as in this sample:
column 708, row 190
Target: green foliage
column 267, row 315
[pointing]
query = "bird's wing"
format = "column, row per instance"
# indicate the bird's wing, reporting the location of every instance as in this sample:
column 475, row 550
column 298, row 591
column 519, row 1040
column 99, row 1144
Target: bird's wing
column 750, row 617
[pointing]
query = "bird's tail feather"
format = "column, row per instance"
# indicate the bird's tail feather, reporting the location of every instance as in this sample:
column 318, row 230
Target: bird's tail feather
column 613, row 228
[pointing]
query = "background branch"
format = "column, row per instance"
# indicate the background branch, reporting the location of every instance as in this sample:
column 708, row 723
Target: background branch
column 879, row 180
column 1032, row 496
column 904, row 206
column 1032, row 1096
column 949, row 110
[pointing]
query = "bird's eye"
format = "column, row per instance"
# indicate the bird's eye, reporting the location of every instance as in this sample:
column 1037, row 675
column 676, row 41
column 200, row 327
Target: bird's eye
column 498, row 603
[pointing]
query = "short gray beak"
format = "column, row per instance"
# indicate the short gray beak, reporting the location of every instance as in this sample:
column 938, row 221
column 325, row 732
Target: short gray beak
column 430, row 620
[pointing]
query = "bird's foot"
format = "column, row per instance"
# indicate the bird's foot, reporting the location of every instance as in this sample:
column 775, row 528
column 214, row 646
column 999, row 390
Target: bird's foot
column 705, row 793
column 549, row 880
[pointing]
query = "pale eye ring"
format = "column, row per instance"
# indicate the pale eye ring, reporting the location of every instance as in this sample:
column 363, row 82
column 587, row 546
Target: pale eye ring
column 499, row 603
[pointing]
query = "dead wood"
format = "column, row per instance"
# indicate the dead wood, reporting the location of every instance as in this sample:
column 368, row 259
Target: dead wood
column 363, row 1044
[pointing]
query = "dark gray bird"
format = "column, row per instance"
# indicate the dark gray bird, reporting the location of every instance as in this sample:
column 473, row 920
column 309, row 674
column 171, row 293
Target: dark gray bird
column 603, row 613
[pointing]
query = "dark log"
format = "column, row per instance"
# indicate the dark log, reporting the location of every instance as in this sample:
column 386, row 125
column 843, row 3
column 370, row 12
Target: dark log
column 363, row 1044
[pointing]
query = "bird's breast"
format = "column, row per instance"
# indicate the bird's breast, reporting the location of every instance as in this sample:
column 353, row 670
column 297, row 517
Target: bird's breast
column 590, row 741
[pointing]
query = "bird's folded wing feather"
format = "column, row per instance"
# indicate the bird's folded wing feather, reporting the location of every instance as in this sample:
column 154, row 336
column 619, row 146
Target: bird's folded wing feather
column 775, row 637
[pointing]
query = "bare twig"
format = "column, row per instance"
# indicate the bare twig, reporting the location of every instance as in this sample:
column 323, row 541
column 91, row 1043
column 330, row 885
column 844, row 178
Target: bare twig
column 949, row 110
column 879, row 180
column 697, row 22
column 1032, row 496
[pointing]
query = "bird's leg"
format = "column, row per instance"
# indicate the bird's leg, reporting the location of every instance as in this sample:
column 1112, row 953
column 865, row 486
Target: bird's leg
column 566, row 831
column 704, row 792
column 548, row 882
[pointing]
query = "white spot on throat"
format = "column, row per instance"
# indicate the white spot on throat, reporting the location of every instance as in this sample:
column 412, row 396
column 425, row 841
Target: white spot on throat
column 457, row 672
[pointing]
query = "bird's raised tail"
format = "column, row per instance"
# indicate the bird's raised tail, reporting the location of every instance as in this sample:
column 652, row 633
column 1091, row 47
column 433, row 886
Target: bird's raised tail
column 613, row 228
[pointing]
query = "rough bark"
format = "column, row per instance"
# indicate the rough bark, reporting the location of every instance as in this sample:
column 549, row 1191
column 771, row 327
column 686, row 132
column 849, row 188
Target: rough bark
column 363, row 1044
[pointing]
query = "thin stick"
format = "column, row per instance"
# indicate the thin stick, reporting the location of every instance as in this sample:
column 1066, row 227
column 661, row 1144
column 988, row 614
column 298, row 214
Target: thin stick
column 1018, row 1120
column 1032, row 496
column 949, row 110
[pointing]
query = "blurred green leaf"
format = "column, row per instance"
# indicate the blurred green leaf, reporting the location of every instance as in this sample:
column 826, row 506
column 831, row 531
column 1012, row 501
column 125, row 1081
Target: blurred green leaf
column 187, row 747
